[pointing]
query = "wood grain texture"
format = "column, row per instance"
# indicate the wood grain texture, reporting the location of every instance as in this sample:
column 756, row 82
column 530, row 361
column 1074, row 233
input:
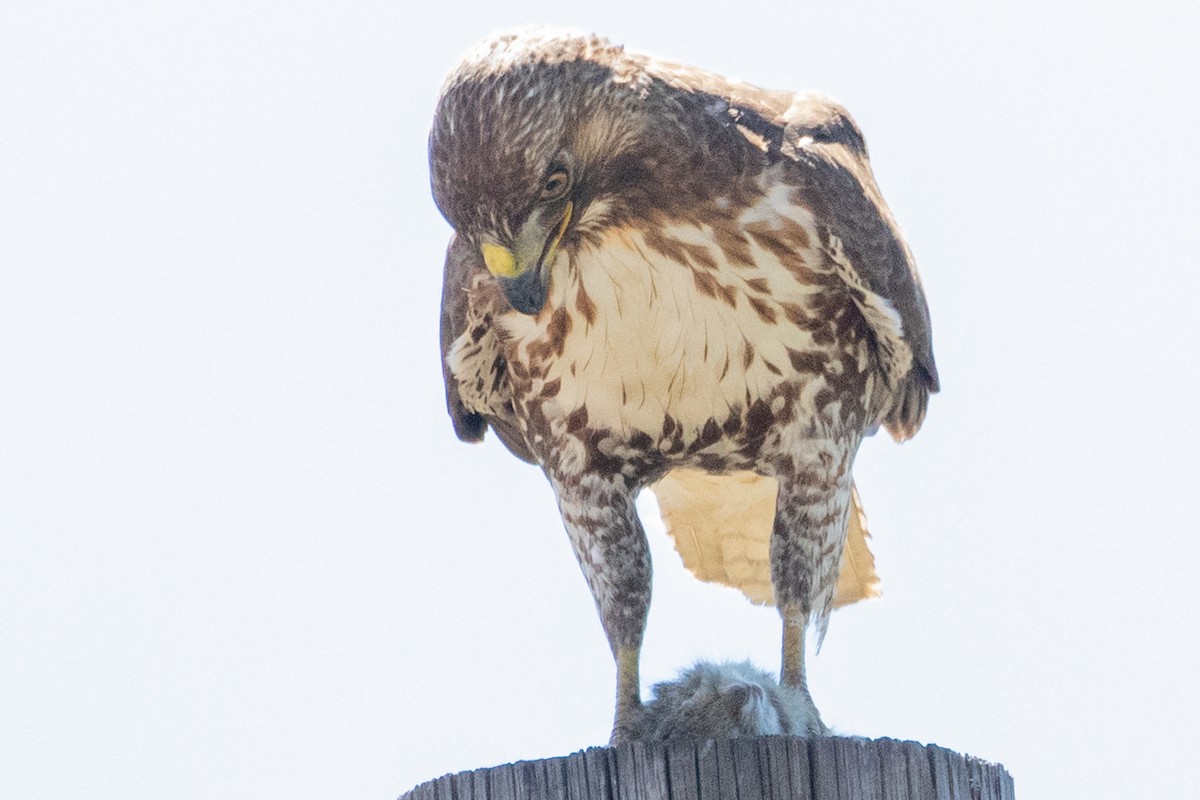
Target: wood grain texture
column 763, row 768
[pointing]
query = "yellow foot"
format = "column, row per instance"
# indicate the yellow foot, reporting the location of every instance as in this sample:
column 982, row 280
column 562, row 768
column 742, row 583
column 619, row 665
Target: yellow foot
column 629, row 702
column 813, row 726
column 625, row 729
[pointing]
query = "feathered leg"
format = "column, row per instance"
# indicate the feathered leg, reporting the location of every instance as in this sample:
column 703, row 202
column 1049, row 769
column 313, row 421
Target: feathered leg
column 610, row 544
column 811, row 514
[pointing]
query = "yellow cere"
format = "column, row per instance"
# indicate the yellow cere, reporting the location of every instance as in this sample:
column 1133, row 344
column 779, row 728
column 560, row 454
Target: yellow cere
column 500, row 260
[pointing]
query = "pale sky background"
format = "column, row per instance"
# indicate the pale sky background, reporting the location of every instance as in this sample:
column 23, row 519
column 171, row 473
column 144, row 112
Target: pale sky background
column 242, row 554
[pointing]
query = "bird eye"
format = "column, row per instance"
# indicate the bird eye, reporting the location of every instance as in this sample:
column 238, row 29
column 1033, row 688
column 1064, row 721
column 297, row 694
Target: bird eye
column 556, row 185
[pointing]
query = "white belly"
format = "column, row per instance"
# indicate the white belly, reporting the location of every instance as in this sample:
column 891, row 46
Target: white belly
column 658, row 345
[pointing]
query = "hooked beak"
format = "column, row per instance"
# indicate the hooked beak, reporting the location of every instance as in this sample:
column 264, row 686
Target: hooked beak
column 523, row 270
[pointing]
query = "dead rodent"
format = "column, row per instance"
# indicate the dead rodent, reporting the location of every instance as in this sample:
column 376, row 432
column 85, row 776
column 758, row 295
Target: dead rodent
column 726, row 701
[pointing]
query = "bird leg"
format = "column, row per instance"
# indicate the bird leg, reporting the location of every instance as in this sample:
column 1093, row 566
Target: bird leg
column 792, row 671
column 791, row 674
column 629, row 695
column 610, row 545
column 806, row 546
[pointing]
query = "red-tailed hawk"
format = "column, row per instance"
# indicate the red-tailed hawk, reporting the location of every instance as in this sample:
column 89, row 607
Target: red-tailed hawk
column 662, row 276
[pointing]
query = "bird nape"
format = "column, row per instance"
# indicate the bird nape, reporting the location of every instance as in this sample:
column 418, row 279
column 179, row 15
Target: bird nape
column 657, row 273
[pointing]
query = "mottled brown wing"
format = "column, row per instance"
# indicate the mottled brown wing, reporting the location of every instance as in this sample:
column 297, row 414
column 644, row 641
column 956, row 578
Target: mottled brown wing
column 834, row 176
column 464, row 265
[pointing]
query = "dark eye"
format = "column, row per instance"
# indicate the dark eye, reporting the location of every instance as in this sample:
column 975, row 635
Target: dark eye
column 556, row 185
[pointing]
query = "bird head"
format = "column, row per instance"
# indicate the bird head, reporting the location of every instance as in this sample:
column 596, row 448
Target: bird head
column 539, row 139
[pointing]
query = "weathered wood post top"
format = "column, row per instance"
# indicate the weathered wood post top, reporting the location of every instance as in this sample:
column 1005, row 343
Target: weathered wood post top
column 761, row 768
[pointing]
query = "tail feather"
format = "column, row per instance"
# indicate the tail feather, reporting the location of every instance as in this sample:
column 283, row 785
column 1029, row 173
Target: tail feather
column 721, row 525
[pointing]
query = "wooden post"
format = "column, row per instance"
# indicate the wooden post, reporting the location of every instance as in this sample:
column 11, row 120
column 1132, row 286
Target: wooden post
column 763, row 768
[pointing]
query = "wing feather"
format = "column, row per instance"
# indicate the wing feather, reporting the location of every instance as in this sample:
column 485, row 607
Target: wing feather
column 834, row 178
column 460, row 290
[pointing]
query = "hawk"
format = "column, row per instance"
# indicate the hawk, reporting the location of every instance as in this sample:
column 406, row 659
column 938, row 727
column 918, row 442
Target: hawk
column 663, row 277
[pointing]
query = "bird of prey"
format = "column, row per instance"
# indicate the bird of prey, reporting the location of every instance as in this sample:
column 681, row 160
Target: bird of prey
column 662, row 277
